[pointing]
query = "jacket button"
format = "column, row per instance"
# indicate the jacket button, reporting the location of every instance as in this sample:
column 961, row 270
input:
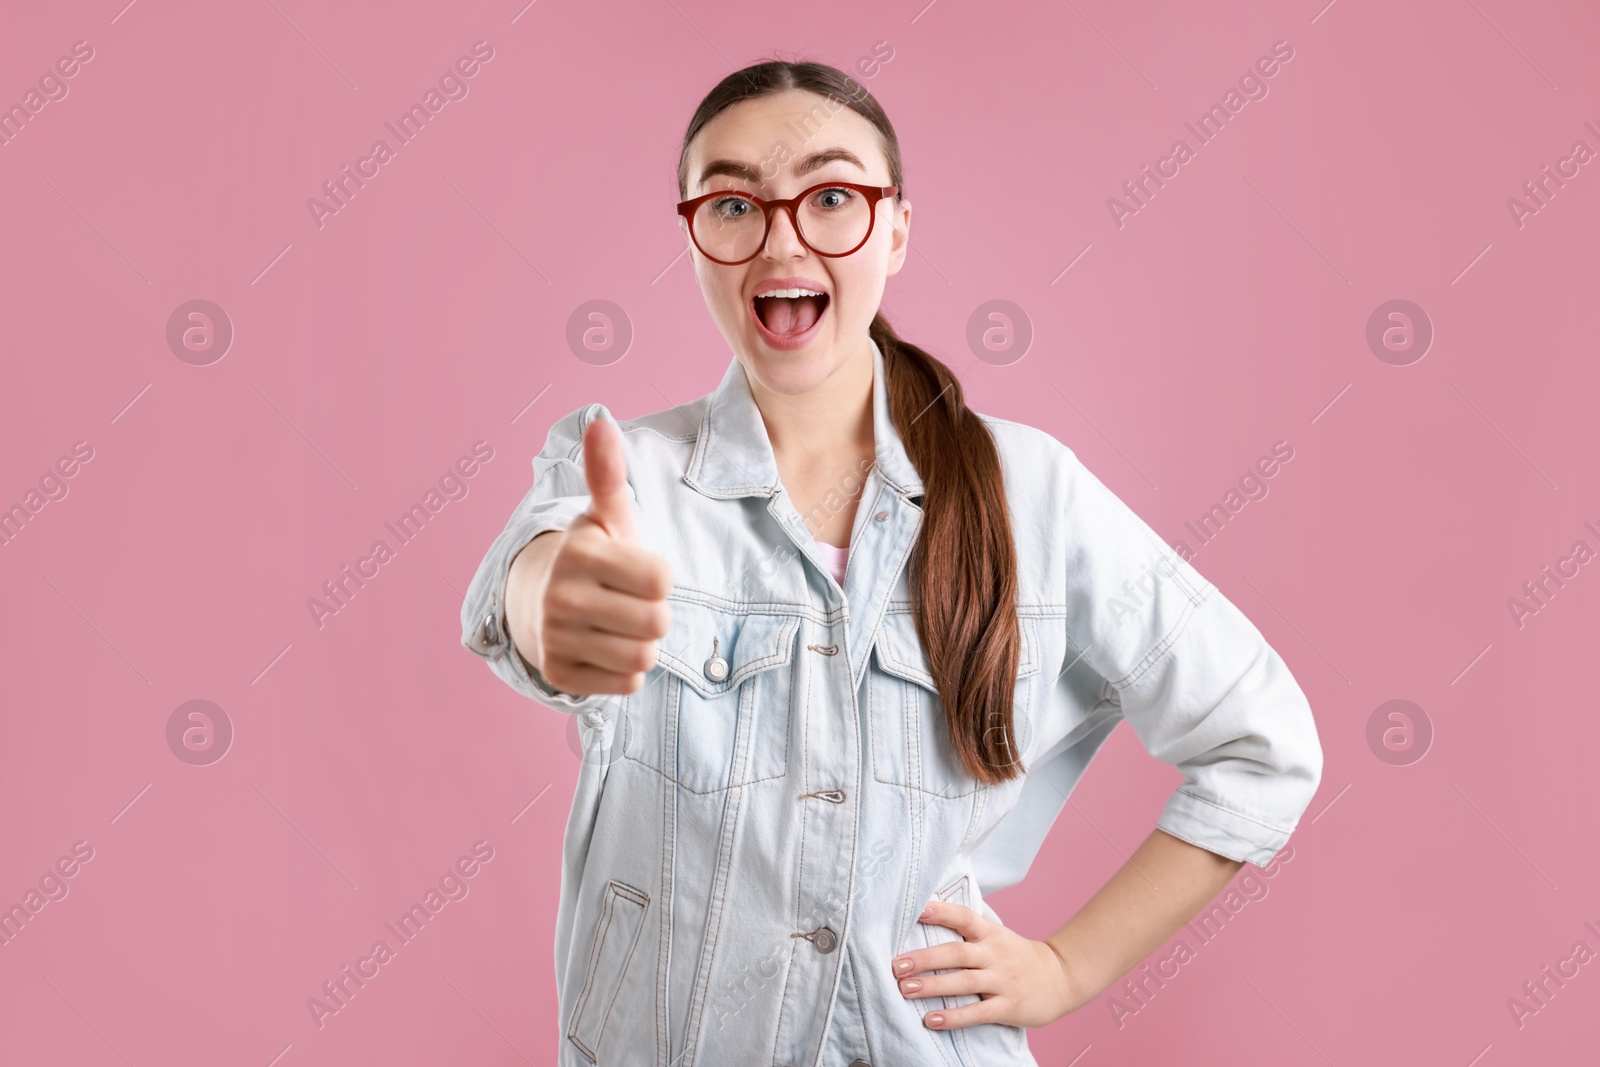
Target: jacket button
column 880, row 516
column 716, row 668
column 825, row 940
column 490, row 630
column 859, row 1063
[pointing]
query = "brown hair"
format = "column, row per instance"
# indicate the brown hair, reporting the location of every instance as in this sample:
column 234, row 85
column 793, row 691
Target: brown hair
column 963, row 569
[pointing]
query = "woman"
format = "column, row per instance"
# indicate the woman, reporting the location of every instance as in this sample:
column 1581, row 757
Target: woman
column 787, row 755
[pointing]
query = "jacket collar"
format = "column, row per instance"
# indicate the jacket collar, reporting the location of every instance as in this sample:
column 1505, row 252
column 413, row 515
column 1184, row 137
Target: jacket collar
column 733, row 455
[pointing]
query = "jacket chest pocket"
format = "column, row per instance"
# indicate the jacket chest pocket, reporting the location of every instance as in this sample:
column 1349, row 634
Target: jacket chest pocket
column 910, row 741
column 714, row 713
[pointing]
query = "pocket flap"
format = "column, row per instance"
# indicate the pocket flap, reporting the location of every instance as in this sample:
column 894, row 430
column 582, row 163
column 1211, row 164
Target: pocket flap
column 749, row 644
column 956, row 891
column 899, row 650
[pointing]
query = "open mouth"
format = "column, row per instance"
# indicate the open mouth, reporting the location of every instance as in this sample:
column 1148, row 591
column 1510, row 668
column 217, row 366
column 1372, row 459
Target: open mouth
column 789, row 321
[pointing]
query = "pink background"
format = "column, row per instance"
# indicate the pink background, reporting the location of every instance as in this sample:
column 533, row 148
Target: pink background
column 430, row 313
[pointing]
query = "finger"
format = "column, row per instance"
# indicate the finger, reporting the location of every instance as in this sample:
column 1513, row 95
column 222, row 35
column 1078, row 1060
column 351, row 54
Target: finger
column 605, row 468
column 989, row 1010
column 574, row 606
column 967, row 922
column 588, row 681
column 620, row 565
column 948, row 983
column 607, row 652
column 944, row 956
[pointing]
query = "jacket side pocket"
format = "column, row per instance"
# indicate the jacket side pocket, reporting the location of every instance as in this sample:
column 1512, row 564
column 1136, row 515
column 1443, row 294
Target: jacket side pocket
column 615, row 933
column 954, row 893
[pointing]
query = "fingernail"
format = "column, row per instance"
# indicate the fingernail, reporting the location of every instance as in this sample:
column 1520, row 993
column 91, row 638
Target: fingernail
column 926, row 911
column 935, row 1019
column 910, row 985
column 902, row 965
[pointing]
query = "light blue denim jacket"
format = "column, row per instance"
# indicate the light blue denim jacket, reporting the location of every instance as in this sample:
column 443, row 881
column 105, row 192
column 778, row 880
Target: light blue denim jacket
column 754, row 833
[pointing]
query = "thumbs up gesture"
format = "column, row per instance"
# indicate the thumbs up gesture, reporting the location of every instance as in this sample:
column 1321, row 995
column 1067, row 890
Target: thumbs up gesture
column 603, row 604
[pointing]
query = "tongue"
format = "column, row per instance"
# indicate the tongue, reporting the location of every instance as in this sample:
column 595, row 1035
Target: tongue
column 786, row 315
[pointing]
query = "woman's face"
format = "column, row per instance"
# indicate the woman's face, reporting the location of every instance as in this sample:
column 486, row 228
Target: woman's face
column 756, row 147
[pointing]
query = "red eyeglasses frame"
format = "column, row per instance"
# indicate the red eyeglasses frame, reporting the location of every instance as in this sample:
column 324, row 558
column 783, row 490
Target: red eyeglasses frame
column 872, row 193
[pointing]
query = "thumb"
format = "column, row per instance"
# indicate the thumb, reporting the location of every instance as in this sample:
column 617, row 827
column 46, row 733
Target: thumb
column 605, row 467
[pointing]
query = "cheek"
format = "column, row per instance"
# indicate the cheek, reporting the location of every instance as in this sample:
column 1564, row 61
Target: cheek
column 722, row 293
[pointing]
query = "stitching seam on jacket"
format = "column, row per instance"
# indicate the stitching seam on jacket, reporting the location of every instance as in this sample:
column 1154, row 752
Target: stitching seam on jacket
column 1156, row 654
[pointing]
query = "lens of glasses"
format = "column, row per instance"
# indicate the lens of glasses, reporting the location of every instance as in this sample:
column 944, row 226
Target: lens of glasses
column 833, row 220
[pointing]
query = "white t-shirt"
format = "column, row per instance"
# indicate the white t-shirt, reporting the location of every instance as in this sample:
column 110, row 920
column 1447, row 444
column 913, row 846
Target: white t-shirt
column 835, row 558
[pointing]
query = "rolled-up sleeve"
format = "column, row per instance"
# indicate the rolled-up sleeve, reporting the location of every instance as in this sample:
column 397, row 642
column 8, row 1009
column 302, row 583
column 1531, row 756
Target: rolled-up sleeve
column 1195, row 679
column 559, row 495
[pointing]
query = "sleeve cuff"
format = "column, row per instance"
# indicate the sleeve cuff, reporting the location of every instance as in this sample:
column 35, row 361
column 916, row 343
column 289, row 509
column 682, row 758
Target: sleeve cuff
column 1221, row 830
column 483, row 616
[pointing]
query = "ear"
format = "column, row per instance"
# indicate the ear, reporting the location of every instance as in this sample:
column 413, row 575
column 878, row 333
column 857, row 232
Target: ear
column 901, row 241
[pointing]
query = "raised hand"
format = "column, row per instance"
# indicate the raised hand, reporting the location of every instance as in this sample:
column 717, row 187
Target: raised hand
column 604, row 605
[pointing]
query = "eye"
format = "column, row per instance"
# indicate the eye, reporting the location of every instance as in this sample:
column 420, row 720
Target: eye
column 834, row 198
column 731, row 207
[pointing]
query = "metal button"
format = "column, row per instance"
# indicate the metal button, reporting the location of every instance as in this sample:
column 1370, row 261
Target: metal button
column 716, row 668
column 491, row 630
column 859, row 1063
column 880, row 516
column 825, row 940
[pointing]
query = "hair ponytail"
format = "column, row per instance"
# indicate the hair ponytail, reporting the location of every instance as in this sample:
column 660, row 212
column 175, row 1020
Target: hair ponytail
column 964, row 565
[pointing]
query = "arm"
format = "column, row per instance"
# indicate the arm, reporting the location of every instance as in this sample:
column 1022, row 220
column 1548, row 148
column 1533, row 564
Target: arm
column 1162, row 886
column 1204, row 692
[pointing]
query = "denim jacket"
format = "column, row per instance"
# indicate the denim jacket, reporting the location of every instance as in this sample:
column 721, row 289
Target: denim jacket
column 754, row 832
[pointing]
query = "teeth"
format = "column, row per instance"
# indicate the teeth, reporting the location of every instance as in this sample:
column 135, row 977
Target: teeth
column 791, row 292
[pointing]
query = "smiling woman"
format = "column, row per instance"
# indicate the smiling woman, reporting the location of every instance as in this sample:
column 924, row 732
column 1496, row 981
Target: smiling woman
column 782, row 667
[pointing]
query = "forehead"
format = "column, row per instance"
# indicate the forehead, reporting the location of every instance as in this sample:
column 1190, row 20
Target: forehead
column 772, row 133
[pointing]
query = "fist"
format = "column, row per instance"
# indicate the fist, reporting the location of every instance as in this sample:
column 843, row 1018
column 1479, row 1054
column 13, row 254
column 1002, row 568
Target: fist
column 605, row 604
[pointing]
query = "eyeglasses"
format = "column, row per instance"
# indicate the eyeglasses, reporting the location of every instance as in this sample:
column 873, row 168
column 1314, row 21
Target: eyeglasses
column 832, row 219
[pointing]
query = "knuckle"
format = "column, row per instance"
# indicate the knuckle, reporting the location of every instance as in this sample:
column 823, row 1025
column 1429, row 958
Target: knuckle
column 560, row 601
column 586, row 548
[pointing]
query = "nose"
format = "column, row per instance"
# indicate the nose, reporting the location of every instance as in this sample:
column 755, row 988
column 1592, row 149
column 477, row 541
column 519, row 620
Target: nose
column 783, row 240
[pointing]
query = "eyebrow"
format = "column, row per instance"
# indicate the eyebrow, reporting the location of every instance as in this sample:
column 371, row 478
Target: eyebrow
column 804, row 165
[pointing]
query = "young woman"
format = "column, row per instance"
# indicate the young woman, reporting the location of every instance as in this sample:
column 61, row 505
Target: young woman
column 842, row 646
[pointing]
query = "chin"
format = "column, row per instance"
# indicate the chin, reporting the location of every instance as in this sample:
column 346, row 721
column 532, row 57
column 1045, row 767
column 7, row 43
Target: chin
column 789, row 373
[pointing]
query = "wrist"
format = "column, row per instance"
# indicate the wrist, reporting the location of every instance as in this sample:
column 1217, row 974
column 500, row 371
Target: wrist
column 1080, row 983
